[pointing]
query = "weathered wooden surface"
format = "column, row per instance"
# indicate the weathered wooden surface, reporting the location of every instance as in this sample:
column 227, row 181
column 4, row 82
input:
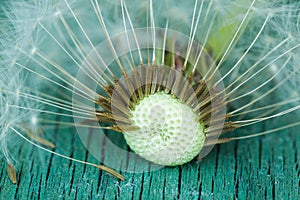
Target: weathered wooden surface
column 261, row 168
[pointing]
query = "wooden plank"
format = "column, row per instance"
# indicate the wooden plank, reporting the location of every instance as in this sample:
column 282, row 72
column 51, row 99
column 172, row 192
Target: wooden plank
column 261, row 168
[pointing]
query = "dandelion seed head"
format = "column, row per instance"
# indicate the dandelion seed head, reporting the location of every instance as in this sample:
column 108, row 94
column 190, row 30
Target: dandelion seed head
column 176, row 137
column 58, row 50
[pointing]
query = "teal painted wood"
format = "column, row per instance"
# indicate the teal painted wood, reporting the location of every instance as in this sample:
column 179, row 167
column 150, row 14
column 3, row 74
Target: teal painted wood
column 266, row 167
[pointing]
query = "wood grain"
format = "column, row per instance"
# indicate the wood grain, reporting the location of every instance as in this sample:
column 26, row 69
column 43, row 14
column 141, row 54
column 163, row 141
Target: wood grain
column 261, row 168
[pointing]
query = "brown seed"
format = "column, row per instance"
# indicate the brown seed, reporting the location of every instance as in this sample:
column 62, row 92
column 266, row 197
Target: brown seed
column 12, row 173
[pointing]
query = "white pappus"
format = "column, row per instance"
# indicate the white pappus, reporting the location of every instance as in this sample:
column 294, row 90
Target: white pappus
column 232, row 64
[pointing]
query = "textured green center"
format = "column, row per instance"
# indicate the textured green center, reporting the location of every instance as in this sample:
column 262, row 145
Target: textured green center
column 170, row 132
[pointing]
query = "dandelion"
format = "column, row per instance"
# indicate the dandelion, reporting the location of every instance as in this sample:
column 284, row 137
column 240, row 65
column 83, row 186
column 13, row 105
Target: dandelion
column 173, row 77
